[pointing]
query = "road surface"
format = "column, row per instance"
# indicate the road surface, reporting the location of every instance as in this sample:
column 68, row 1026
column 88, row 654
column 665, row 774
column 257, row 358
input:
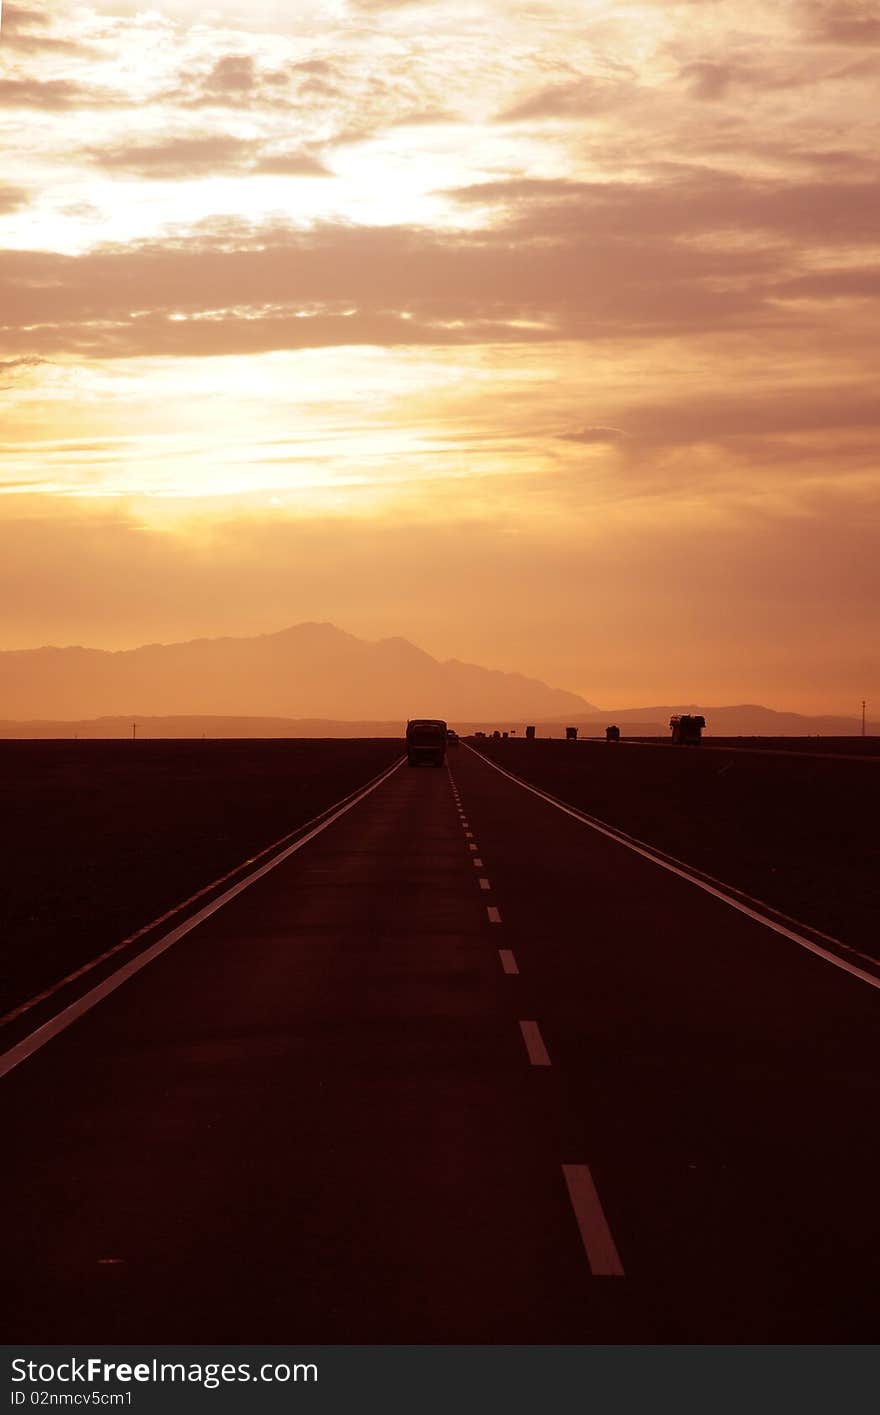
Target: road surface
column 458, row 1070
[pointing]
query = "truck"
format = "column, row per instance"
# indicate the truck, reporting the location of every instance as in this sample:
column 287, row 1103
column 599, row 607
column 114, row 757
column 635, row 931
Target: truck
column 687, row 728
column 426, row 741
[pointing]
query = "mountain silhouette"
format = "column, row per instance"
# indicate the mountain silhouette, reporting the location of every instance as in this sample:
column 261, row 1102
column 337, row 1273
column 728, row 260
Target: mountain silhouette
column 306, row 671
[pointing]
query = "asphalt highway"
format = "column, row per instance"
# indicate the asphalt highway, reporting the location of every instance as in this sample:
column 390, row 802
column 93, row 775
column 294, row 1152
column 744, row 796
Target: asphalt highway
column 460, row 1069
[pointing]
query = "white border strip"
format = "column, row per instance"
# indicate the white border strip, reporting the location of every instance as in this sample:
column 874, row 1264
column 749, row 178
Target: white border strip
column 62, row 1020
column 647, row 854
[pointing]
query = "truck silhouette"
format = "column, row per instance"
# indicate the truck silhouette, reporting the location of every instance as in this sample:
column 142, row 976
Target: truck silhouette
column 687, row 729
column 426, row 741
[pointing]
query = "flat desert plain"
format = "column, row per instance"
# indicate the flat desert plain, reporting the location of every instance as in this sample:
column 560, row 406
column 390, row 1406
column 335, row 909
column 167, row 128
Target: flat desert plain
column 101, row 837
column 794, row 828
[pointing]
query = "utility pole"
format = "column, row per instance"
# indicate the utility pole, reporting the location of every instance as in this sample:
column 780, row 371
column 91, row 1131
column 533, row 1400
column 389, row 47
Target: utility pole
column 134, row 731
column 863, row 717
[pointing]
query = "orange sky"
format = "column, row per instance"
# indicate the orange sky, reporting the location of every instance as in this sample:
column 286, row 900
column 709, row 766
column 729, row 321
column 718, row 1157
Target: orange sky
column 543, row 334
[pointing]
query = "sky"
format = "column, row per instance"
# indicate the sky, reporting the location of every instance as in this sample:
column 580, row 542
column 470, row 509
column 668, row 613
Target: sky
column 542, row 333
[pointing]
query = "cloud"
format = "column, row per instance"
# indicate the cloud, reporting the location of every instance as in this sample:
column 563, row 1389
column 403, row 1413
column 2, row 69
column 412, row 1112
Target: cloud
column 6, row 365
column 175, row 158
column 378, row 6
column 313, row 66
column 235, row 81
column 848, row 282
column 11, row 368
column 18, row 36
column 55, row 95
column 234, row 73
column 690, row 200
column 691, row 250
column 578, row 99
column 18, row 17
column 773, row 412
column 845, row 22
column 12, row 198
column 594, row 435
column 23, row 30
column 713, row 78
column 185, row 158
column 238, row 287
column 293, row 163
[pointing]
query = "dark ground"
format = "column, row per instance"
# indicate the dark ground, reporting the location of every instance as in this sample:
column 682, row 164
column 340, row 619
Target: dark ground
column 797, row 831
column 100, row 837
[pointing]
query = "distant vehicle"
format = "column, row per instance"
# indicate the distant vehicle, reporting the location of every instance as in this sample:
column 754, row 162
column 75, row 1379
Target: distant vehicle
column 480, row 736
column 571, row 734
column 496, row 735
column 530, row 734
column 426, row 741
column 612, row 733
column 687, row 728
column 451, row 738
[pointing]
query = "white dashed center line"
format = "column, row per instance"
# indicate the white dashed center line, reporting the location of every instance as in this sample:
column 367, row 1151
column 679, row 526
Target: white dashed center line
column 602, row 1253
column 535, row 1047
column 596, row 1236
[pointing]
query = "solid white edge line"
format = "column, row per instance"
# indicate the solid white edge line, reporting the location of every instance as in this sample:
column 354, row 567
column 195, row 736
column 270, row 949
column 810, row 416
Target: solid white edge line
column 871, row 979
column 531, row 1035
column 62, row 1020
column 601, row 1250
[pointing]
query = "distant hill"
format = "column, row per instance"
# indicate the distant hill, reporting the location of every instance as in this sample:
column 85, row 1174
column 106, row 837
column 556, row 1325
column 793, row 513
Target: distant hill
column 307, row 671
column 314, row 680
